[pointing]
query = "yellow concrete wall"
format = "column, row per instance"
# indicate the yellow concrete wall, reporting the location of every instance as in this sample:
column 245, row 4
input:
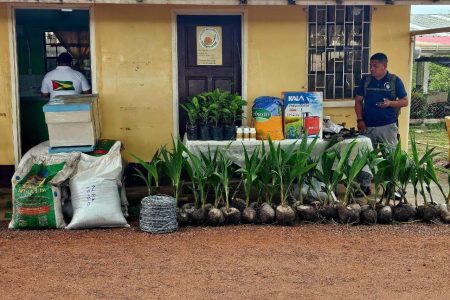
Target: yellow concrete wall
column 6, row 134
column 276, row 50
column 133, row 46
column 134, row 75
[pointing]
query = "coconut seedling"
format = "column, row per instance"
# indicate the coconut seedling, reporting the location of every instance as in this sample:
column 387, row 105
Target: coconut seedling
column 431, row 175
column 331, row 171
column 351, row 171
column 210, row 158
column 265, row 182
column 303, row 164
column 326, row 175
column 311, row 181
column 418, row 177
column 281, row 160
column 398, row 173
column 249, row 172
column 173, row 162
column 424, row 171
column 378, row 166
column 316, row 209
column 224, row 172
column 266, row 189
column 350, row 212
column 199, row 172
column 152, row 171
column 423, row 174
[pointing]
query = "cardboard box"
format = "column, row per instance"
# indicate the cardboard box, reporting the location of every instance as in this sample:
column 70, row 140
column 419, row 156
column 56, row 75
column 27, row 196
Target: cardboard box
column 303, row 114
column 72, row 121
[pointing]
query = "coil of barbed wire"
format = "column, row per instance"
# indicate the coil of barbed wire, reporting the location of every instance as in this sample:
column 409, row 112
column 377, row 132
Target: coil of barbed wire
column 158, row 214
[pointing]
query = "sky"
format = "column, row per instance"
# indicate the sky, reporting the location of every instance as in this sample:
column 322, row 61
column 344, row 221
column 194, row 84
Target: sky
column 430, row 9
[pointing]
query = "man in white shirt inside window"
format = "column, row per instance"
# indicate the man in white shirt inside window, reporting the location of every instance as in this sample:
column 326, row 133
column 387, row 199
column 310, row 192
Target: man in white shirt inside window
column 64, row 80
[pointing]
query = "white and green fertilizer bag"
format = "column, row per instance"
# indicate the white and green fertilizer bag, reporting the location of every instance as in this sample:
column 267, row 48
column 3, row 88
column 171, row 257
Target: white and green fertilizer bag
column 37, row 192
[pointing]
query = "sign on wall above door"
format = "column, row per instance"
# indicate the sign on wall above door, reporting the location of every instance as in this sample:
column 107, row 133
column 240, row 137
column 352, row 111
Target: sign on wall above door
column 209, row 45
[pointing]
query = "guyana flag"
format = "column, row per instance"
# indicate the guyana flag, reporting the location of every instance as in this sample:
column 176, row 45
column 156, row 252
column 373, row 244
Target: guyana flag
column 59, row 85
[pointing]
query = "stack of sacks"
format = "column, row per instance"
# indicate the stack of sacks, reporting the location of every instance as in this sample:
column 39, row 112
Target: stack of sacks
column 41, row 190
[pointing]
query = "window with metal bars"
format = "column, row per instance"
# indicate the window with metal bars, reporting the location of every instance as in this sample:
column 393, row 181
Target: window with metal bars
column 338, row 48
column 53, row 48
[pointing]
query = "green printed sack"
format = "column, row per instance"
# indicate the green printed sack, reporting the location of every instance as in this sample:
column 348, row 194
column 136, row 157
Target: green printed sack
column 37, row 194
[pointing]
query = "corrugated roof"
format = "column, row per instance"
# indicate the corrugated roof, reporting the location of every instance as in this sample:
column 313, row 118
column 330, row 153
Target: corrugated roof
column 431, row 44
column 421, row 22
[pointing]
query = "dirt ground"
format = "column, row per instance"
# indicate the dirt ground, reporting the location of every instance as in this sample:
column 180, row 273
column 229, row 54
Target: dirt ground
column 406, row 261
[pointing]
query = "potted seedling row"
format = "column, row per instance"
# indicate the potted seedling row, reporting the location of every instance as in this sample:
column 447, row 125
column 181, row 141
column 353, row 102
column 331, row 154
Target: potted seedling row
column 213, row 115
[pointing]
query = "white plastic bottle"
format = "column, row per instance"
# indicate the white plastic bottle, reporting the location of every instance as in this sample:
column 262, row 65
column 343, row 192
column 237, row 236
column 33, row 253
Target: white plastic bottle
column 239, row 134
column 252, row 134
column 246, row 134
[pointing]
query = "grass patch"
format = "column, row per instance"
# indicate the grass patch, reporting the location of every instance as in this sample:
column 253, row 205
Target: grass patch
column 435, row 135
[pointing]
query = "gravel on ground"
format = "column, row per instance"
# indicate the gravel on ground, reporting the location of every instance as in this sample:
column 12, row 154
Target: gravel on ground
column 313, row 261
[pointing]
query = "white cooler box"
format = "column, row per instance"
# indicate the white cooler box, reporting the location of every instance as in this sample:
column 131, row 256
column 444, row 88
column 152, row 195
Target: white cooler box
column 72, row 121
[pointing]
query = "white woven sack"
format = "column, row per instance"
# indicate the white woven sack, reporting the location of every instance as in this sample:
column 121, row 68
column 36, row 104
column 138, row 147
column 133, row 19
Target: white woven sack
column 96, row 203
column 94, row 190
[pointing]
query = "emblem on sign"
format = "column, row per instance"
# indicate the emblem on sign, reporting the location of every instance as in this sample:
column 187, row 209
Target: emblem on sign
column 209, row 38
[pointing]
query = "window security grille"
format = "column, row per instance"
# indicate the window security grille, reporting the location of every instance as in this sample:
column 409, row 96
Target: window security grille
column 338, row 48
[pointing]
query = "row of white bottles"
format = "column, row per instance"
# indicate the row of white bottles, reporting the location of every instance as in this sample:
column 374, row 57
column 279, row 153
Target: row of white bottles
column 245, row 134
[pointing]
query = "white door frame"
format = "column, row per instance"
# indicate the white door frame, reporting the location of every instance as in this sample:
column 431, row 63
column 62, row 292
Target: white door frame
column 242, row 11
column 14, row 68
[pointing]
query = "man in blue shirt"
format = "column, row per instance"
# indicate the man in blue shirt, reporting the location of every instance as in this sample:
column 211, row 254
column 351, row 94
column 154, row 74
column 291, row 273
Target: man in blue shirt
column 377, row 103
column 378, row 100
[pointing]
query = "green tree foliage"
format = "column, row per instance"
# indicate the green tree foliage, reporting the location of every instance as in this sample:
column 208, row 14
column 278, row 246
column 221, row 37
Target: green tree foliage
column 440, row 78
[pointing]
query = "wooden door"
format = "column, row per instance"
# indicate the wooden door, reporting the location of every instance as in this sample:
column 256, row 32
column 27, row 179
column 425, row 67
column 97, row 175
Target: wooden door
column 194, row 78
